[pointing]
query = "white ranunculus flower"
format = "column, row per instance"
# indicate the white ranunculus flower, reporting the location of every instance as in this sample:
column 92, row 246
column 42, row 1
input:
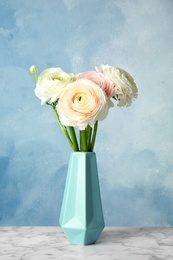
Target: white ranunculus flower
column 50, row 84
column 82, row 103
column 125, row 89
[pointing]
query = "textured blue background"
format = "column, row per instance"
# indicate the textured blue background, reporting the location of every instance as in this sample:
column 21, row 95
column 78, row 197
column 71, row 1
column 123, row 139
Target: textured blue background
column 134, row 145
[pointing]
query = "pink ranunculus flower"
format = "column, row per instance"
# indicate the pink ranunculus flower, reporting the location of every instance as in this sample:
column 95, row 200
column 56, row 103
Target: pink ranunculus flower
column 99, row 78
column 125, row 89
column 50, row 84
column 82, row 103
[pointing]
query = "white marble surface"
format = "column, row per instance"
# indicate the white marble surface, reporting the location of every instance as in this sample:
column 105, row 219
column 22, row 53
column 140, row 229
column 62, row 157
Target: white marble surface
column 44, row 243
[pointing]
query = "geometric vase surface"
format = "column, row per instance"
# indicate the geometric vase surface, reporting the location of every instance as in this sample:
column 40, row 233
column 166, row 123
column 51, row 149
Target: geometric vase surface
column 81, row 216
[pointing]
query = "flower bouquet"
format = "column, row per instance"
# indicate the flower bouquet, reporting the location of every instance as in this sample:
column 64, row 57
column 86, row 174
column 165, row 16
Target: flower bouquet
column 79, row 101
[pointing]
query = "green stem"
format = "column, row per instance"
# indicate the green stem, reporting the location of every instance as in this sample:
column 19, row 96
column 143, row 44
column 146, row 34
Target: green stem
column 89, row 133
column 74, row 139
column 63, row 128
column 35, row 76
column 83, row 141
column 94, row 136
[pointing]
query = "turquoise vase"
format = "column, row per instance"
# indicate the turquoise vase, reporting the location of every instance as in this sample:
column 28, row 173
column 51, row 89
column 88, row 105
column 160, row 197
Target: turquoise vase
column 81, row 216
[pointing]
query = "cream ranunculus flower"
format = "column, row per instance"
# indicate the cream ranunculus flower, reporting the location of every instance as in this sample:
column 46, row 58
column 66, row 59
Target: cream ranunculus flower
column 50, row 84
column 125, row 89
column 82, row 103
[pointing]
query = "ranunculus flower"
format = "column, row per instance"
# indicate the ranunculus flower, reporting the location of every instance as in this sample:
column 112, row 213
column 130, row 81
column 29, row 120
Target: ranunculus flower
column 82, row 103
column 50, row 84
column 99, row 78
column 125, row 89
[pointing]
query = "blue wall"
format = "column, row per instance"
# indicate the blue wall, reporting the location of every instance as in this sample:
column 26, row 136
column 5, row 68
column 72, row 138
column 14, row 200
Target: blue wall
column 134, row 145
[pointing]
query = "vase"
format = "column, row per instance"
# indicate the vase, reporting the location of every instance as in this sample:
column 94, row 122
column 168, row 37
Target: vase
column 81, row 216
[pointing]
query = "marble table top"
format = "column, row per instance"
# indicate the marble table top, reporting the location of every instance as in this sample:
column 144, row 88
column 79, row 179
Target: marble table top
column 118, row 243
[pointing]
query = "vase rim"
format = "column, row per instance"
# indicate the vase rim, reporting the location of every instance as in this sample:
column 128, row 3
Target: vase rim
column 82, row 152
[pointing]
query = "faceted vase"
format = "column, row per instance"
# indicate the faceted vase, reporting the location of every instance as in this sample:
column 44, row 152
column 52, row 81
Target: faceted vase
column 81, row 216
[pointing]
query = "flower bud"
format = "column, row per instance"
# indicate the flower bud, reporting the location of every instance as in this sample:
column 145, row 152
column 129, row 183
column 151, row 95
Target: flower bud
column 33, row 69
